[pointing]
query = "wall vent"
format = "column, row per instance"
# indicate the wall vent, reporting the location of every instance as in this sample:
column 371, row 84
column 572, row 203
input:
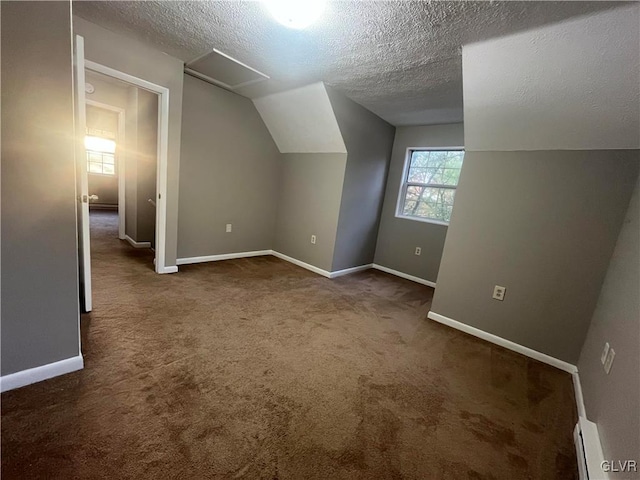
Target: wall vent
column 220, row 69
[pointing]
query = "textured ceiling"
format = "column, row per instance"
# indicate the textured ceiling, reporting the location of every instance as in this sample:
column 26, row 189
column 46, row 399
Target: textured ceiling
column 400, row 59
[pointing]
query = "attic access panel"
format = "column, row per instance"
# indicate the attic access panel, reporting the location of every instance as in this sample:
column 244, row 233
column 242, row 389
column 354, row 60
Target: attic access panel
column 223, row 70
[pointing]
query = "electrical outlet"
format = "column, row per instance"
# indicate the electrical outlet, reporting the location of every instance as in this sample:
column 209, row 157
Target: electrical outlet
column 313, row 239
column 418, row 250
column 228, row 228
column 605, row 351
column 609, row 361
column 498, row 292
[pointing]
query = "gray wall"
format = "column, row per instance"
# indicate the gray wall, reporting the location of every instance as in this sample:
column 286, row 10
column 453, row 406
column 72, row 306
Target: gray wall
column 613, row 401
column 542, row 224
column 141, row 146
column 39, row 256
column 323, row 191
column 134, row 58
column 399, row 237
column 147, row 160
column 309, row 204
column 369, row 140
column 105, row 186
column 228, row 174
column 106, row 90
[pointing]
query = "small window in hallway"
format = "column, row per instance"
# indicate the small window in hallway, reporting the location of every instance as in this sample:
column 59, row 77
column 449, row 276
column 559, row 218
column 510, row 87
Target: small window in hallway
column 100, row 155
column 429, row 185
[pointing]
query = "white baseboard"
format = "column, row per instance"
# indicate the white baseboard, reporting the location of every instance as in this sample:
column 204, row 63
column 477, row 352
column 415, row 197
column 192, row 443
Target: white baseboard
column 226, row 256
column 404, row 275
column 349, row 271
column 171, row 269
column 302, row 264
column 137, row 244
column 508, row 344
column 38, row 374
column 282, row 256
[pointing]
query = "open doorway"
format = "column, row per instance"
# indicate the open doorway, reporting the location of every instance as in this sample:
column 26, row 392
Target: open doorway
column 145, row 160
column 121, row 144
column 105, row 150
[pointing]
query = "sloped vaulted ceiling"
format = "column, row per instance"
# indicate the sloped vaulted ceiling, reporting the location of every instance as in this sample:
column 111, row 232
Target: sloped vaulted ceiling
column 399, row 59
column 302, row 120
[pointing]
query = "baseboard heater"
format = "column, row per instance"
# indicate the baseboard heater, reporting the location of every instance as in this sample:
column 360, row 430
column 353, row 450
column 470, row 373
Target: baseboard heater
column 589, row 451
column 102, row 206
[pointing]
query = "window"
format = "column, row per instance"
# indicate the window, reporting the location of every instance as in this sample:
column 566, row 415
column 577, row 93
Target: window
column 100, row 155
column 429, row 184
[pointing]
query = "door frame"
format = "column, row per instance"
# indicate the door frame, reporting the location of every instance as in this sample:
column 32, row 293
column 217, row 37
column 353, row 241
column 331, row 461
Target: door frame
column 121, row 152
column 163, row 142
column 82, row 178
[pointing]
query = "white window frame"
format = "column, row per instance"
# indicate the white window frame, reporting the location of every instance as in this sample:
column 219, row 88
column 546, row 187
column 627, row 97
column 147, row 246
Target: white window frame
column 102, row 154
column 402, row 193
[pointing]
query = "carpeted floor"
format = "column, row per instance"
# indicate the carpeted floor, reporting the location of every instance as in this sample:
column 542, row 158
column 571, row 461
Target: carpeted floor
column 258, row 369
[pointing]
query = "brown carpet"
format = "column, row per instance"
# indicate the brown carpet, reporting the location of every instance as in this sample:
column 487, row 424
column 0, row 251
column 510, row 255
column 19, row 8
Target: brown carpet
column 258, row 369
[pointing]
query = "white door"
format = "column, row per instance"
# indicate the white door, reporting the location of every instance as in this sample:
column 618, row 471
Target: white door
column 82, row 187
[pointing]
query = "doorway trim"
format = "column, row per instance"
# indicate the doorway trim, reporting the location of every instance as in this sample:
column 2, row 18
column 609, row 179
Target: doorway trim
column 163, row 142
column 120, row 149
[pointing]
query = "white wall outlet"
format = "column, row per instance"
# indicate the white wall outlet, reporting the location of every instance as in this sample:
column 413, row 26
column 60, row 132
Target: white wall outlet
column 418, row 250
column 498, row 292
column 605, row 350
column 609, row 361
column 228, row 228
column 313, row 239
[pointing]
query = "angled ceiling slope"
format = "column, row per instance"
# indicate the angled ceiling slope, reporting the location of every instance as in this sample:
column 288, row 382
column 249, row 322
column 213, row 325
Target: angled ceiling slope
column 302, row 120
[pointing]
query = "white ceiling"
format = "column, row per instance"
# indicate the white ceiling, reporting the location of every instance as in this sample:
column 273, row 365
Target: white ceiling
column 399, row 59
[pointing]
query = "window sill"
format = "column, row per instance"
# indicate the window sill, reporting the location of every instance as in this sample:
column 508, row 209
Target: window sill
column 424, row 220
column 112, row 175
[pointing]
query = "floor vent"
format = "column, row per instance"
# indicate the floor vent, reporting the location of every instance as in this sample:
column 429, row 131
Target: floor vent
column 589, row 451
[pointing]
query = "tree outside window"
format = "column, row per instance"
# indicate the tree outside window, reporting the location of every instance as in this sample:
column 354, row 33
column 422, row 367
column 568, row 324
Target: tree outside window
column 429, row 184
